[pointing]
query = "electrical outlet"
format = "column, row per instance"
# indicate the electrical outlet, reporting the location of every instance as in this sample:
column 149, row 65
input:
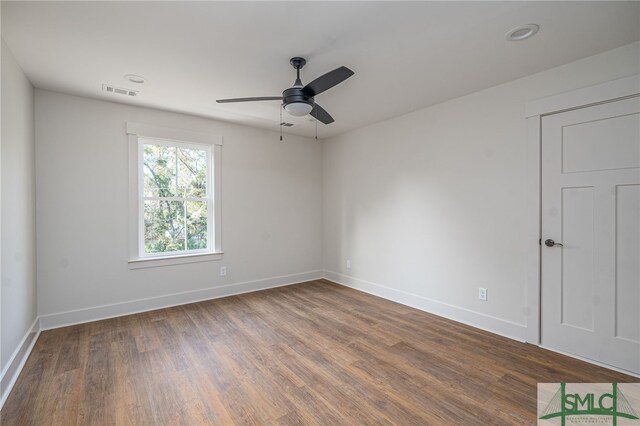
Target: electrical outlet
column 348, row 263
column 482, row 294
column 223, row 271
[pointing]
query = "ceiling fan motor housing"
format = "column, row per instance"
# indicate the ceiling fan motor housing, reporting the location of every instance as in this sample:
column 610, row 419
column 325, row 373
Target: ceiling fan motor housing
column 296, row 95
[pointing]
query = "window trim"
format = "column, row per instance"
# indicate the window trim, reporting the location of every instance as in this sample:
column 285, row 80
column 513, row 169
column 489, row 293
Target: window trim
column 136, row 134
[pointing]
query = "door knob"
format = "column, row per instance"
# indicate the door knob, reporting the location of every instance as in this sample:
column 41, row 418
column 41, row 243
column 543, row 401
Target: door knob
column 550, row 243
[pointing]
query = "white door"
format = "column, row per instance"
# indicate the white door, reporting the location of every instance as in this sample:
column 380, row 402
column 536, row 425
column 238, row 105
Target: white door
column 591, row 205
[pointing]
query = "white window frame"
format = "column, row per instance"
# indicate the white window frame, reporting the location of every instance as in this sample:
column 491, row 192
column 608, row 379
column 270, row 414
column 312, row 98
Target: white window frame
column 138, row 134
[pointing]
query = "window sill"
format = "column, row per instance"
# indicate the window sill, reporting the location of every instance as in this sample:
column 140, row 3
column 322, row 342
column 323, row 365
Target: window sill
column 152, row 262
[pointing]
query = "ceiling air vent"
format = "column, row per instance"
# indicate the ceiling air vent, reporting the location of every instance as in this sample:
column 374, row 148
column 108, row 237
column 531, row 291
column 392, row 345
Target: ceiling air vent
column 285, row 124
column 118, row 90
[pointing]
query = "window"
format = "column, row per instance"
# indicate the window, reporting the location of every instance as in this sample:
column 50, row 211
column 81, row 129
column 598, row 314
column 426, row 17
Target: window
column 174, row 179
column 175, row 202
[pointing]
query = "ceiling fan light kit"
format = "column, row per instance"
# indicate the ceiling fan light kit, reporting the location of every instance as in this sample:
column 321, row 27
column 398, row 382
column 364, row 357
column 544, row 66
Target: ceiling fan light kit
column 299, row 100
column 298, row 109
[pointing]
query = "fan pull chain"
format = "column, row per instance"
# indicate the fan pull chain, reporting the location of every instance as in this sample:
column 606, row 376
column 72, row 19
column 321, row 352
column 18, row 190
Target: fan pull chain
column 281, row 122
column 316, row 129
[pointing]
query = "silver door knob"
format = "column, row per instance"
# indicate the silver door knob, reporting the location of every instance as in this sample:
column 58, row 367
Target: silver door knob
column 550, row 243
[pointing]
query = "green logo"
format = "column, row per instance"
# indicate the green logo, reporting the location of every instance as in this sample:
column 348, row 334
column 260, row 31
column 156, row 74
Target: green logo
column 585, row 403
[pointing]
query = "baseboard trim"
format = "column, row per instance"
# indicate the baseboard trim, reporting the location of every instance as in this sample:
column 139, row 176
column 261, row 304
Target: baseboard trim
column 591, row 361
column 488, row 323
column 17, row 361
column 80, row 316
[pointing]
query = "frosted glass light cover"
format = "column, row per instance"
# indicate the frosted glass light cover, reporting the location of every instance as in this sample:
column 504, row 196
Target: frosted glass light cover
column 298, row 109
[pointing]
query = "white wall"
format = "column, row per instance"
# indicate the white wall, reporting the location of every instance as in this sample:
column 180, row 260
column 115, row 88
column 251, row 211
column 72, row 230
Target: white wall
column 431, row 205
column 428, row 206
column 271, row 209
column 18, row 208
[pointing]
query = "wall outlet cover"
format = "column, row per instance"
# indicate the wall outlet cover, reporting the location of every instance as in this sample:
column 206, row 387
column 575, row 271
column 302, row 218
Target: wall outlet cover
column 482, row 294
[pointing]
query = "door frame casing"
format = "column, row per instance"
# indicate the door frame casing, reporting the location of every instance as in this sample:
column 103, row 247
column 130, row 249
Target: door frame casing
column 593, row 95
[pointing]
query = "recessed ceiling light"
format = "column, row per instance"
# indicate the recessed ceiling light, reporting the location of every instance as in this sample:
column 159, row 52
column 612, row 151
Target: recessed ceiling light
column 522, row 32
column 135, row 78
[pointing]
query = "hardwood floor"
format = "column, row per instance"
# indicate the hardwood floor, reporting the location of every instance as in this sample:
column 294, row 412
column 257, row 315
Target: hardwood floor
column 313, row 353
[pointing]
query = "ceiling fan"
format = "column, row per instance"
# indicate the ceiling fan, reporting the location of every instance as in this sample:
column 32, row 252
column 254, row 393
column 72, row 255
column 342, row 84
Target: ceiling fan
column 299, row 100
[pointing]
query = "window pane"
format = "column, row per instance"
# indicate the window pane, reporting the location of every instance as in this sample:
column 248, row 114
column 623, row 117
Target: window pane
column 192, row 173
column 164, row 226
column 159, row 170
column 196, row 225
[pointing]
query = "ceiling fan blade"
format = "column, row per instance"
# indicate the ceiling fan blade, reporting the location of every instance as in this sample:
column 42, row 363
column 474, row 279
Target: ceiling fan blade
column 266, row 98
column 321, row 115
column 327, row 81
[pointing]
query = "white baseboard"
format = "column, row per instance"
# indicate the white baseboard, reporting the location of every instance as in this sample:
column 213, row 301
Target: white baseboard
column 591, row 361
column 18, row 359
column 485, row 322
column 63, row 319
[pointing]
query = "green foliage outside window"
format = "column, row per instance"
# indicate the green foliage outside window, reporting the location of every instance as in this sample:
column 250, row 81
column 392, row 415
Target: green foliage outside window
column 175, row 205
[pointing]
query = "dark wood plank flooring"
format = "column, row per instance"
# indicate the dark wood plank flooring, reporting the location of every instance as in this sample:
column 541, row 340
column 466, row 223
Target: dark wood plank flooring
column 313, row 353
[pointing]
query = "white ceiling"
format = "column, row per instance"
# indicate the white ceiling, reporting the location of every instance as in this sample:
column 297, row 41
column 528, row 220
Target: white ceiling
column 406, row 55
